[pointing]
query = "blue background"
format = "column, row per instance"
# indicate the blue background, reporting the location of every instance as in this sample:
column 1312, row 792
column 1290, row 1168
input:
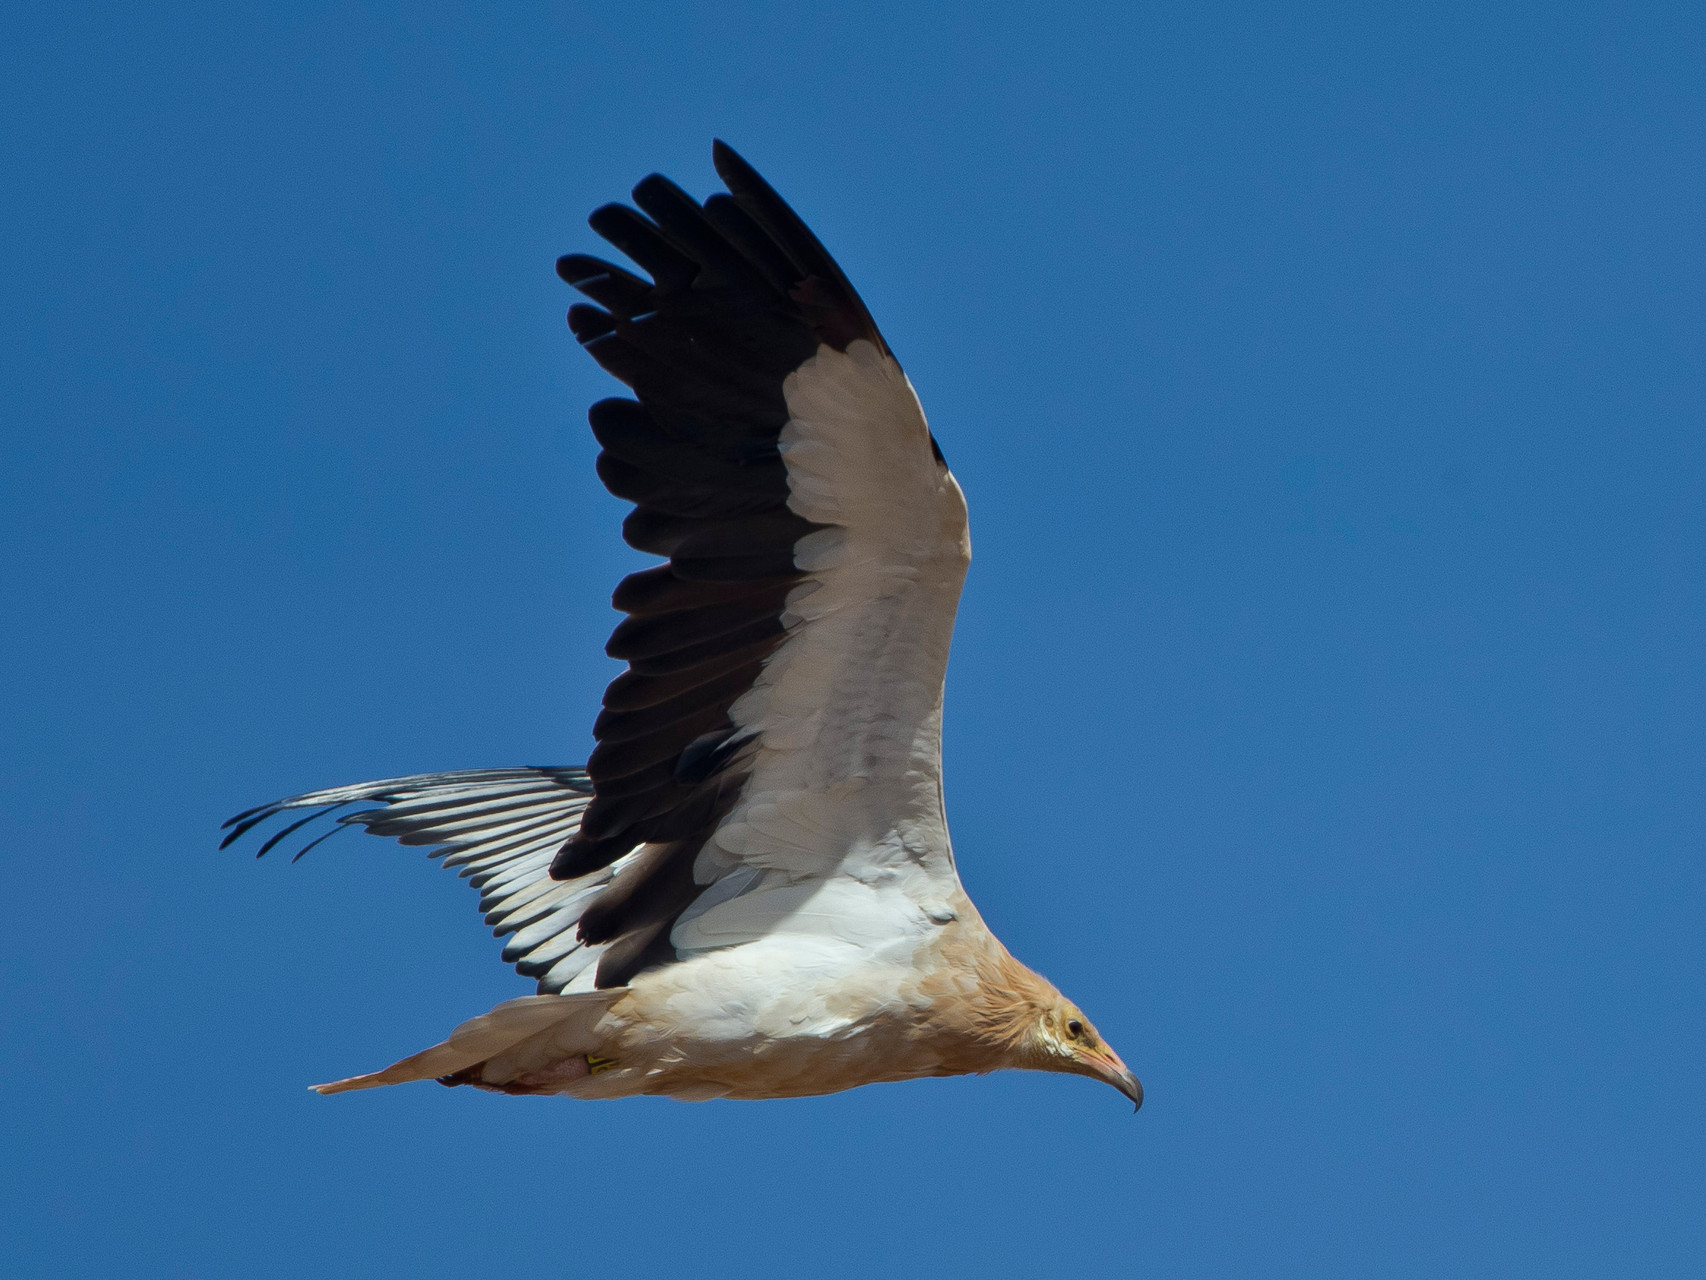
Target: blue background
column 1326, row 711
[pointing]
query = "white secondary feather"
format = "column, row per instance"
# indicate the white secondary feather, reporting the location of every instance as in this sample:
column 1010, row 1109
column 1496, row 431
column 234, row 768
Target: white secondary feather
column 845, row 782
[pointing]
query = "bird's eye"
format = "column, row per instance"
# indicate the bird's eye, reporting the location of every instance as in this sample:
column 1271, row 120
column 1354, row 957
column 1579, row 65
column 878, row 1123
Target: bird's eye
column 1074, row 1028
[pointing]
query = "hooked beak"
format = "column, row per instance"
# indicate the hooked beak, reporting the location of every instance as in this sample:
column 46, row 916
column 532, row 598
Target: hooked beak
column 1105, row 1065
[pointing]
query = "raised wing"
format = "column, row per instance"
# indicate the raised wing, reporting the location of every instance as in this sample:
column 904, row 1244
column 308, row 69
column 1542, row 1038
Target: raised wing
column 781, row 710
column 770, row 761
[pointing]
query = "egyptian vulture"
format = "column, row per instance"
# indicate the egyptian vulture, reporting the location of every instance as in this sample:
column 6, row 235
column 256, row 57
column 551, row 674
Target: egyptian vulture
column 748, row 891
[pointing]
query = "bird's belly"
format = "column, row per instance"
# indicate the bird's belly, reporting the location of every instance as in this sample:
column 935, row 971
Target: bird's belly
column 728, row 1025
column 791, row 1066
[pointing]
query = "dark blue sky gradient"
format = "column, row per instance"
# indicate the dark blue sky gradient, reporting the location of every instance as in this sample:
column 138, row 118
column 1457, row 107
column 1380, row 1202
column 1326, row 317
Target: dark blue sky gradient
column 1326, row 711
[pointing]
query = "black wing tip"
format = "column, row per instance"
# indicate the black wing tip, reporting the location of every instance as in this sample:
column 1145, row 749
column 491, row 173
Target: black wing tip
column 608, row 215
column 254, row 817
column 849, row 318
column 285, row 830
column 248, row 821
column 656, row 186
column 725, row 159
column 742, row 179
column 297, row 856
column 260, row 810
column 574, row 268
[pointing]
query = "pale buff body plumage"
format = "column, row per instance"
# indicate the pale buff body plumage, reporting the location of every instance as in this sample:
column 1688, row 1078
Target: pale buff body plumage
column 945, row 1010
column 958, row 1004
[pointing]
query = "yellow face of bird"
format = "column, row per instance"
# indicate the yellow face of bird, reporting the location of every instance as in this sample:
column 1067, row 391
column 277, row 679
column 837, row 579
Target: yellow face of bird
column 1066, row 1034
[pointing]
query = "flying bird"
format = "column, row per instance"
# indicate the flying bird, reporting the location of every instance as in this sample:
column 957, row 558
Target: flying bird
column 748, row 891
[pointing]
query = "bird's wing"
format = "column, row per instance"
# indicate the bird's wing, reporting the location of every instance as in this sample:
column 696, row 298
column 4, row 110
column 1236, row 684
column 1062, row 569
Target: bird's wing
column 779, row 721
column 770, row 761
column 500, row 828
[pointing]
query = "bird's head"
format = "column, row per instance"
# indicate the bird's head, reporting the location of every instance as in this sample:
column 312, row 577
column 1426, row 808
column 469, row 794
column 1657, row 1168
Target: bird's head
column 1064, row 1040
column 1020, row 1019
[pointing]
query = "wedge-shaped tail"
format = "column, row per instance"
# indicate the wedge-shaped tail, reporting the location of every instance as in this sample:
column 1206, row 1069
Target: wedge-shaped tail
column 514, row 1039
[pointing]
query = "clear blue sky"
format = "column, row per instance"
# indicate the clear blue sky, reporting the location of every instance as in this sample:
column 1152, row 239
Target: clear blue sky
column 1326, row 712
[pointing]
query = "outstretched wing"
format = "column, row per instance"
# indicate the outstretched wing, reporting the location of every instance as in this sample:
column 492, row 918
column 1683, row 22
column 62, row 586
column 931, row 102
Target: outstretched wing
column 779, row 721
column 770, row 760
column 500, row 828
